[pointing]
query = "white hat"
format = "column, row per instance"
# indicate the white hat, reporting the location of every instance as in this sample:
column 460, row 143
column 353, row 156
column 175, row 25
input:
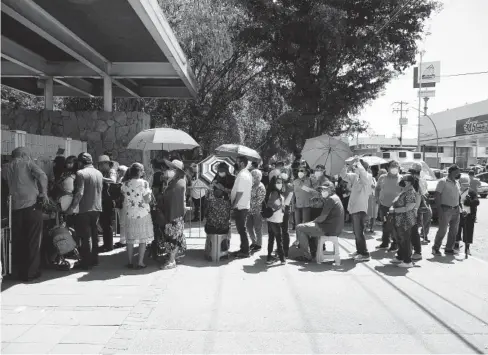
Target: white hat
column 122, row 168
column 175, row 164
column 104, row 159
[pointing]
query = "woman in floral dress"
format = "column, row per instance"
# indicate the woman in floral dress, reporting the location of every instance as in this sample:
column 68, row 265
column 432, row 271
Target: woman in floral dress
column 405, row 217
column 138, row 222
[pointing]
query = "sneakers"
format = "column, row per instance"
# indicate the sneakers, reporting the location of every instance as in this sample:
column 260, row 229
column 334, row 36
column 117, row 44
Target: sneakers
column 405, row 265
column 254, row 248
column 395, row 260
column 269, row 260
column 417, row 256
column 436, row 252
column 353, row 255
column 360, row 257
column 241, row 254
column 393, row 248
column 451, row 252
column 382, row 247
column 283, row 262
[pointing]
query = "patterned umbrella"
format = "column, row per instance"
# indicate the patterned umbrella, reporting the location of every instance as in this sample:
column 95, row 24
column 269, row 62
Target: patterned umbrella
column 162, row 139
column 235, row 150
column 209, row 167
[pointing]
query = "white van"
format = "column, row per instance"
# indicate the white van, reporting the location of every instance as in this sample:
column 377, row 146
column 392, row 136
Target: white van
column 400, row 155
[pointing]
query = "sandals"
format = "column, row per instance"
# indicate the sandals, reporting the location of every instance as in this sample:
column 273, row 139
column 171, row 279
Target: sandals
column 168, row 266
column 130, row 266
column 140, row 267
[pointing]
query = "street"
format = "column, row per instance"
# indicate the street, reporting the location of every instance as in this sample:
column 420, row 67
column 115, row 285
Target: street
column 244, row 306
column 480, row 240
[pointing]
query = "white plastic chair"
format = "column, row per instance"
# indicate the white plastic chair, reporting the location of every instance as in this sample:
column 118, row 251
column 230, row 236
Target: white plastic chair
column 320, row 256
column 216, row 253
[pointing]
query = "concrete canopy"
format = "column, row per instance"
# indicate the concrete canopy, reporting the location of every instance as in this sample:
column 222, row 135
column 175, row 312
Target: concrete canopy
column 87, row 48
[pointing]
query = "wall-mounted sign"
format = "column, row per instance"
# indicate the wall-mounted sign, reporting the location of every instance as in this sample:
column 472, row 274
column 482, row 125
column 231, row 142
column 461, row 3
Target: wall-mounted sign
column 430, row 72
column 472, row 125
column 416, row 80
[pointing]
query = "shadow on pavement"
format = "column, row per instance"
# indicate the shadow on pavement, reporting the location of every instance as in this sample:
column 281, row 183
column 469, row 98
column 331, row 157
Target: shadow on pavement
column 195, row 258
column 259, row 266
column 391, row 270
column 448, row 259
column 346, row 265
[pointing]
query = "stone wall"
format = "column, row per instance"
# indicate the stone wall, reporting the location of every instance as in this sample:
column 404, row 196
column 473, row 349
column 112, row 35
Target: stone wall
column 101, row 130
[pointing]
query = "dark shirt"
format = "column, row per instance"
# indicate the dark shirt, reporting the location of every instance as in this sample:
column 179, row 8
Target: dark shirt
column 89, row 183
column 331, row 220
column 172, row 203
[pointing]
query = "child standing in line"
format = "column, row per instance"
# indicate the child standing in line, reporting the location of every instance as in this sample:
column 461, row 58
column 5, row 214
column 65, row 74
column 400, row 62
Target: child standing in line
column 275, row 203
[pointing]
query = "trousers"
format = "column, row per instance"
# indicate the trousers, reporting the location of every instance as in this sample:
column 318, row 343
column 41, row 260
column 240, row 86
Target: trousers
column 86, row 227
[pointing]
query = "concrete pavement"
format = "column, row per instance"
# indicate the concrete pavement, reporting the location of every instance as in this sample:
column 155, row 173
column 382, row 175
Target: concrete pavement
column 480, row 240
column 244, row 306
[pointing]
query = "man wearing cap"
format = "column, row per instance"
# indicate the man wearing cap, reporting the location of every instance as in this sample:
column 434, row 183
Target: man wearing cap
column 330, row 222
column 27, row 183
column 88, row 198
column 105, row 165
column 360, row 181
column 448, row 203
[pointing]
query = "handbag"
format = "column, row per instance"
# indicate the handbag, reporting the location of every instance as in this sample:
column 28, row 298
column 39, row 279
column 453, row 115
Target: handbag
column 63, row 239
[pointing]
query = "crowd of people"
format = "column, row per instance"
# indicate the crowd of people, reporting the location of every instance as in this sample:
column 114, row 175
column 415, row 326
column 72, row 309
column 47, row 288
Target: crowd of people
column 151, row 212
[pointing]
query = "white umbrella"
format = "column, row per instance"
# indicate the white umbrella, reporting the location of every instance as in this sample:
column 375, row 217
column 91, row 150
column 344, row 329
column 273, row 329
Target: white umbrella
column 328, row 151
column 235, row 150
column 162, row 139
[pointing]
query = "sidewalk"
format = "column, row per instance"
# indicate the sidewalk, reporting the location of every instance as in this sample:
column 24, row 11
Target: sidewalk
column 244, row 306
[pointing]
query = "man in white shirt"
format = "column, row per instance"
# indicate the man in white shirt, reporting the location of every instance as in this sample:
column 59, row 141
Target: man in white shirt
column 240, row 198
column 360, row 181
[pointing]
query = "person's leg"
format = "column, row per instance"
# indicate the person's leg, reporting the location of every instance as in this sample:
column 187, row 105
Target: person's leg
column 279, row 240
column 401, row 253
column 358, row 227
column 202, row 208
column 443, row 215
column 453, row 229
column 130, row 253
column 307, row 217
column 407, row 246
column 385, row 238
column 241, row 216
column 284, row 230
column 84, row 231
column 271, row 239
column 415, row 237
column 460, row 232
column 33, row 233
column 469, row 228
column 306, row 232
column 142, row 252
column 18, row 242
column 258, row 228
column 427, row 221
column 106, row 224
column 94, row 216
column 196, row 209
column 250, row 229
column 298, row 216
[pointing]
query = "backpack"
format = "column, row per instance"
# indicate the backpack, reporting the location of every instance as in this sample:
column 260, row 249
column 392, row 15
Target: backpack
column 266, row 211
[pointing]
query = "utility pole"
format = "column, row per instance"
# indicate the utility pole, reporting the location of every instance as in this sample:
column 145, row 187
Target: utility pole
column 420, row 99
column 402, row 120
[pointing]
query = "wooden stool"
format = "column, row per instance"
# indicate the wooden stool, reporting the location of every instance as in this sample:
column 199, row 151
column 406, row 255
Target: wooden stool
column 216, row 253
column 319, row 257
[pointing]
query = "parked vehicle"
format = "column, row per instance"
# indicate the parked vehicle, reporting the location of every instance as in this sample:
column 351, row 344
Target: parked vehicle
column 483, row 189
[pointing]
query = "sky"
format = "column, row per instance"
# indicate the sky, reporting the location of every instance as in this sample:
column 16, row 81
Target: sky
column 459, row 40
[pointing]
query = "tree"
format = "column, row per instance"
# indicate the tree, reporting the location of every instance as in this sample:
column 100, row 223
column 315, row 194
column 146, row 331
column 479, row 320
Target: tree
column 330, row 57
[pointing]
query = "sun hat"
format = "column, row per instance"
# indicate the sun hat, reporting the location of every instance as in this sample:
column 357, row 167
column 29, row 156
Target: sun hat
column 175, row 164
column 105, row 159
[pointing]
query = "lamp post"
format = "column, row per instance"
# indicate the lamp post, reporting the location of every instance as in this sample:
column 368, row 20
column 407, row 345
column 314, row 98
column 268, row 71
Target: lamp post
column 436, row 132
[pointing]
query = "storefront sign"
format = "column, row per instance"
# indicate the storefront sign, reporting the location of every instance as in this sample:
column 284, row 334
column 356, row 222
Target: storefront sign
column 430, row 72
column 473, row 125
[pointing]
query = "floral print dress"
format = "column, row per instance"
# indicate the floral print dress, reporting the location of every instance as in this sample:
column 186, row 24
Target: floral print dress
column 137, row 220
column 405, row 220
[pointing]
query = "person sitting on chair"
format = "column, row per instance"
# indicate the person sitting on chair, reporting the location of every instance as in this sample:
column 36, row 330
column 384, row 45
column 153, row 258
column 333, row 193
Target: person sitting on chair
column 329, row 223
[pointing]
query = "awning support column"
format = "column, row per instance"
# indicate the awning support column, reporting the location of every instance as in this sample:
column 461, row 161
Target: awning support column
column 107, row 93
column 454, row 154
column 48, row 94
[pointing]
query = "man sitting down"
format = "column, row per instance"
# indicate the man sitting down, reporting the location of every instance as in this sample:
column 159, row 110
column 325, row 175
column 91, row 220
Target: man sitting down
column 329, row 223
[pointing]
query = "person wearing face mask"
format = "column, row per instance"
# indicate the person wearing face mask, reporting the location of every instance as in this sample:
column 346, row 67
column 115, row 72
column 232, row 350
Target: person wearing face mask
column 469, row 201
column 172, row 207
column 447, row 200
column 240, row 199
column 287, row 196
column 387, row 189
column 274, row 202
column 360, row 181
column 404, row 213
column 330, row 222
column 302, row 193
column 254, row 219
column 372, row 204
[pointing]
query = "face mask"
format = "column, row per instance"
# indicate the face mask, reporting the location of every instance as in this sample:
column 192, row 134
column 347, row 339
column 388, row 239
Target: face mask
column 236, row 166
column 318, row 174
column 325, row 194
column 402, row 183
column 284, row 176
column 301, row 175
column 279, row 186
column 394, row 171
column 170, row 174
column 222, row 174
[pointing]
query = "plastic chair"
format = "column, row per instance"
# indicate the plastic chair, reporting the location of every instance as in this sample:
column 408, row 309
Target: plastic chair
column 320, row 256
column 216, row 253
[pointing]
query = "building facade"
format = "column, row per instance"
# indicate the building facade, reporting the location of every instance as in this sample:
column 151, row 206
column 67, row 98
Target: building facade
column 463, row 135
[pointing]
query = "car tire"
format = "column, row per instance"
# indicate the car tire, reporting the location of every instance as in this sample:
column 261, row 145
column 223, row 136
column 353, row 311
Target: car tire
column 483, row 196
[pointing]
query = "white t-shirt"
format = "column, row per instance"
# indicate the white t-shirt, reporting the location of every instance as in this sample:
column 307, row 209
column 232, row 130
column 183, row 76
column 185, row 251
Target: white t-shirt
column 242, row 184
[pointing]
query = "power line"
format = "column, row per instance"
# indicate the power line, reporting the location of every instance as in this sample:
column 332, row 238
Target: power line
column 463, row 74
column 394, row 16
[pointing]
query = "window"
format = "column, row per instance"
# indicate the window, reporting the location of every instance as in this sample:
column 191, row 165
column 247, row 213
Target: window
column 417, row 155
column 386, row 155
column 483, row 177
column 431, row 149
column 402, row 154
